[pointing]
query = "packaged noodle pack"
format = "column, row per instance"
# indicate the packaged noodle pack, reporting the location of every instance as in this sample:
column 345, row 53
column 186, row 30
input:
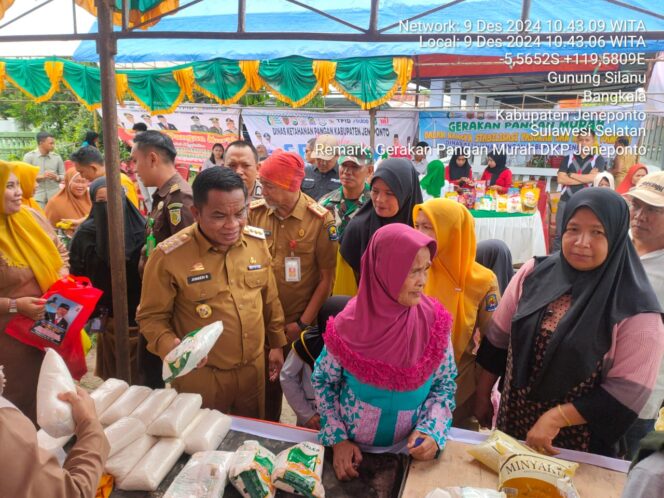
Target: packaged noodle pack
column 528, row 475
column 529, row 198
column 480, row 188
column 501, row 203
column 251, row 469
column 194, row 347
column 299, row 470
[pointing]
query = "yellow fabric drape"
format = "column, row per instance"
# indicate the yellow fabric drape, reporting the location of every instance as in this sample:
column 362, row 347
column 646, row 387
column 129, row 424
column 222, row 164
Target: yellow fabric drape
column 130, row 189
column 186, row 80
column 455, row 279
column 121, row 86
column 344, row 280
column 4, row 5
column 250, row 71
column 136, row 17
column 324, row 72
column 53, row 70
column 23, row 242
column 403, row 66
column 27, row 178
column 3, row 73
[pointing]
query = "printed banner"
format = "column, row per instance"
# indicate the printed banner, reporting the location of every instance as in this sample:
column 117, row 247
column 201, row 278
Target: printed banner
column 291, row 130
column 531, row 131
column 194, row 129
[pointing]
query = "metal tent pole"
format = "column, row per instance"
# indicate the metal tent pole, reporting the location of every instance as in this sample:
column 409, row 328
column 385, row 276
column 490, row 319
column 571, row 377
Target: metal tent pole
column 107, row 48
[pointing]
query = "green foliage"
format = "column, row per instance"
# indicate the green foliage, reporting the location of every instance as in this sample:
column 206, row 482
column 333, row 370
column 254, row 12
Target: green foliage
column 68, row 121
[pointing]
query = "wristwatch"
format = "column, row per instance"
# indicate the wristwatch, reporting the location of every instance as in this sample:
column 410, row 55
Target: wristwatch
column 301, row 324
column 13, row 309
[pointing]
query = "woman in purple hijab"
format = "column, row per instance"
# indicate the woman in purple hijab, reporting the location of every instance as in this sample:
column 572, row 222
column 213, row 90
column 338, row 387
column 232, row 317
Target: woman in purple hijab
column 386, row 375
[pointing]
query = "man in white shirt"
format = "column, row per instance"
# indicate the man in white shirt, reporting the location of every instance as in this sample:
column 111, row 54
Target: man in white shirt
column 647, row 232
column 51, row 168
column 420, row 159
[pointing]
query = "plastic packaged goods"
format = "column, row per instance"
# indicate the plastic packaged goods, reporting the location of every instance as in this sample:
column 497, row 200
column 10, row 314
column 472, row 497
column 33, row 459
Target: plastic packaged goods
column 529, row 197
column 107, row 393
column 53, row 415
column 514, row 203
column 480, row 188
column 496, row 445
column 120, row 464
column 452, row 196
column 148, row 473
column 53, row 445
column 123, row 432
column 529, row 475
column 464, row 492
column 501, row 203
column 659, row 424
column 194, row 347
column 179, row 414
column 251, row 470
column 299, row 470
column 206, row 431
column 126, row 403
column 205, row 475
column 154, row 405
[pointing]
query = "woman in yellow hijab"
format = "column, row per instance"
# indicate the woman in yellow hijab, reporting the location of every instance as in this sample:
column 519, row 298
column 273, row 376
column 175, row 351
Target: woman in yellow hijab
column 467, row 289
column 31, row 260
column 27, row 177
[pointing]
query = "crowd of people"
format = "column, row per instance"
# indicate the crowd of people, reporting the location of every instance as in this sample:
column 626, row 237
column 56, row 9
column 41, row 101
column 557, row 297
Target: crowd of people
column 375, row 312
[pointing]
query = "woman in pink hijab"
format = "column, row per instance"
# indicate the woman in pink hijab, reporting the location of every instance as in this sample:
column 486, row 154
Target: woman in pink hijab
column 386, row 375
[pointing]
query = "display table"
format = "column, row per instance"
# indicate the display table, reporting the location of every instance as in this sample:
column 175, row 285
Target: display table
column 381, row 475
column 523, row 233
column 455, row 467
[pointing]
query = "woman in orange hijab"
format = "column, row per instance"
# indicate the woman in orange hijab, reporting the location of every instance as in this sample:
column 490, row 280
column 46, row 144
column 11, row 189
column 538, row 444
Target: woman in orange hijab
column 467, row 289
column 72, row 203
column 633, row 176
column 27, row 177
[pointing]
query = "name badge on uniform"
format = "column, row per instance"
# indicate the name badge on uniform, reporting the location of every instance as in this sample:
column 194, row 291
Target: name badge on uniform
column 292, row 269
column 194, row 279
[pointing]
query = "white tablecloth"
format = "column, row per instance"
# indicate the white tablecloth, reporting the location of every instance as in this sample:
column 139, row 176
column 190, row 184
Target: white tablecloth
column 523, row 234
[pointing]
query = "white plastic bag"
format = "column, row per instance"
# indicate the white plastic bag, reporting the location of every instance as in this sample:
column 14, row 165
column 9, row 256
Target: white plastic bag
column 120, row 464
column 125, row 404
column 210, row 429
column 205, row 475
column 251, row 470
column 194, row 347
column 153, row 467
column 122, row 433
column 53, row 445
column 53, row 415
column 175, row 419
column 154, row 405
column 107, row 393
column 299, row 470
column 464, row 492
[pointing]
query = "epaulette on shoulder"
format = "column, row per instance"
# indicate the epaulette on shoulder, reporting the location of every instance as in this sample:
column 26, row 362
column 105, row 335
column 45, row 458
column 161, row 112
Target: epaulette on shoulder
column 257, row 203
column 172, row 243
column 255, row 232
column 174, row 188
column 317, row 209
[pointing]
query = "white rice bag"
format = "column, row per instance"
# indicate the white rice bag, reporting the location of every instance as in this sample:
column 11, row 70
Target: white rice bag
column 299, row 470
column 122, row 433
column 208, row 433
column 154, row 405
column 205, row 474
column 53, row 415
column 107, row 393
column 194, row 347
column 251, row 470
column 153, row 467
column 53, row 445
column 179, row 414
column 120, row 464
column 465, row 492
column 125, row 404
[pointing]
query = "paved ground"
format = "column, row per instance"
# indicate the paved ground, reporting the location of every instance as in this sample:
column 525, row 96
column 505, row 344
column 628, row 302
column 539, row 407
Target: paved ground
column 90, row 382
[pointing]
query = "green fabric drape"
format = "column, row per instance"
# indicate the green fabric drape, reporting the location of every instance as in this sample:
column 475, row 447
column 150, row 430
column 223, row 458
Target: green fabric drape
column 290, row 79
column 29, row 76
column 155, row 89
column 367, row 82
column 84, row 82
column 220, row 79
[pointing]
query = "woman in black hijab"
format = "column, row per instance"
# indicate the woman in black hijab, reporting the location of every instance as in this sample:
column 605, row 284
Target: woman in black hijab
column 89, row 257
column 395, row 190
column 459, row 169
column 497, row 174
column 495, row 255
column 578, row 336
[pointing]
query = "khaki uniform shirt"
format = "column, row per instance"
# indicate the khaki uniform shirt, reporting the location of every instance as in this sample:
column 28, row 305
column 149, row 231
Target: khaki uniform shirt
column 188, row 284
column 46, row 188
column 257, row 192
column 308, row 233
column 171, row 208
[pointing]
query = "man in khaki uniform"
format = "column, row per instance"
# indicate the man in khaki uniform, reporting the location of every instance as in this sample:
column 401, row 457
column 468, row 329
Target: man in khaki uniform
column 242, row 157
column 302, row 239
column 153, row 153
column 51, row 168
column 217, row 269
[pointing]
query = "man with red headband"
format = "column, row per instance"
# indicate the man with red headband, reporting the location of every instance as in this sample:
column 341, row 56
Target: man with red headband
column 302, row 239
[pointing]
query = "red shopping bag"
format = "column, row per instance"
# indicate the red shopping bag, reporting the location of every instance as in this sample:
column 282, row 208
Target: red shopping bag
column 69, row 303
